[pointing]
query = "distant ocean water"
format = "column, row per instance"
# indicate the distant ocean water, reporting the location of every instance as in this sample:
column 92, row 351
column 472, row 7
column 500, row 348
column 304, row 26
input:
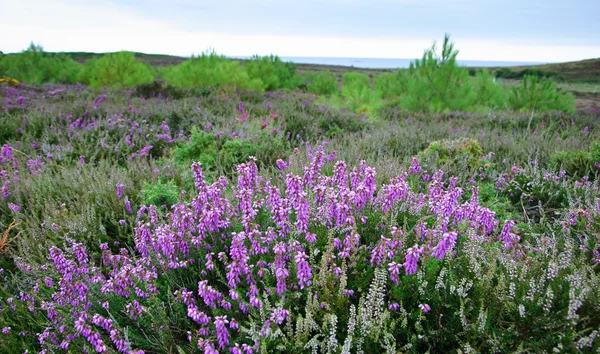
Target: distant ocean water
column 381, row 63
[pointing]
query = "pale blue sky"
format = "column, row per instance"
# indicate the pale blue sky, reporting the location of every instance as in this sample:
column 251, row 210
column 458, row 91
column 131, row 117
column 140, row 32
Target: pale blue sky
column 533, row 30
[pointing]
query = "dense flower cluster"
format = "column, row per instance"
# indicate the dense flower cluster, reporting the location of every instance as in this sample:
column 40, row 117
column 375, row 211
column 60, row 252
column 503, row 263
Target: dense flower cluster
column 264, row 260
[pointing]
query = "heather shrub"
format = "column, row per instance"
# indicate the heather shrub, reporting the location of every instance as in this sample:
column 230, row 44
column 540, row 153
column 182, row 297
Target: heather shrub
column 272, row 72
column 539, row 95
column 324, row 83
column 116, row 70
column 325, row 260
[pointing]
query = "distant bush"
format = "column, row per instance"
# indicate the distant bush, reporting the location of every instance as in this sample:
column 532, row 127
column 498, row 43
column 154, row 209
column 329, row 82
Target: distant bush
column 324, row 83
column 540, row 95
column 33, row 66
column 487, row 93
column 437, row 83
column 116, row 70
column 358, row 96
column 159, row 88
column 272, row 72
column 211, row 70
column 507, row 73
column 392, row 85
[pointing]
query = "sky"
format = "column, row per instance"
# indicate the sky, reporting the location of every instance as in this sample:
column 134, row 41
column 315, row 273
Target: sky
column 508, row 30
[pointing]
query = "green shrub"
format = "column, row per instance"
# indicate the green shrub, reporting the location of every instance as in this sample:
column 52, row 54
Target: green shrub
column 540, row 95
column 116, row 70
column 200, row 148
column 487, row 92
column 578, row 163
column 160, row 193
column 358, row 96
column 211, row 69
column 447, row 151
column 234, row 152
column 158, row 87
column 437, row 83
column 33, row 66
column 324, row 83
column 272, row 72
column 391, row 85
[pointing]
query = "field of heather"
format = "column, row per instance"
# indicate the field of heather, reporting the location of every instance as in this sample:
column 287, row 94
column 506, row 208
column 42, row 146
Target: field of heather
column 241, row 208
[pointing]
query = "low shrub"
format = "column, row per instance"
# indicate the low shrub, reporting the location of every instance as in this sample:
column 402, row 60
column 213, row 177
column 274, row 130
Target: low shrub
column 160, row 193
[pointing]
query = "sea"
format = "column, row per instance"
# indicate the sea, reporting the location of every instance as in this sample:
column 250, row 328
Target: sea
column 383, row 63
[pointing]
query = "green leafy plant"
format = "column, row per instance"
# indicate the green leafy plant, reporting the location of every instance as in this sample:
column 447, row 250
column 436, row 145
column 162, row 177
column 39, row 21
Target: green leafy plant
column 213, row 70
column 324, row 83
column 539, row 95
column 160, row 193
column 34, row 66
column 116, row 70
column 272, row 72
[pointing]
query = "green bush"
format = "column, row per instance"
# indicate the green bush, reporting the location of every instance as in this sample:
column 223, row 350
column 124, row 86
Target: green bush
column 437, row 83
column 213, row 70
column 392, row 85
column 33, row 66
column 116, row 70
column 200, row 148
column 358, row 96
column 160, row 193
column 578, row 163
column 324, row 83
column 447, row 151
column 539, row 95
column 487, row 92
column 272, row 72
column 157, row 88
column 234, row 152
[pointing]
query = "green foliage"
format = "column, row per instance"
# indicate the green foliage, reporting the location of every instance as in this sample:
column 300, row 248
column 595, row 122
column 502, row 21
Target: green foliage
column 201, row 148
column 392, row 85
column 578, row 163
column 507, row 73
column 358, row 96
column 539, row 95
column 160, row 193
column 116, row 70
column 213, row 70
column 159, row 88
column 487, row 92
column 33, row 66
column 324, row 83
column 437, row 82
column 235, row 152
column 446, row 151
column 272, row 72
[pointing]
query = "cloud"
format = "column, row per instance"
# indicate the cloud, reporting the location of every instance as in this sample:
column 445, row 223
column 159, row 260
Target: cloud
column 64, row 25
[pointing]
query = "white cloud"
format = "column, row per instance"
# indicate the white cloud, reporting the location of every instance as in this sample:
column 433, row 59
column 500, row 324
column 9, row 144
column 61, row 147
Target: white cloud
column 69, row 26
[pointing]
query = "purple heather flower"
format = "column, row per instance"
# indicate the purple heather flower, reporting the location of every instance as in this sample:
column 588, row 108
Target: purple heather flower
column 425, row 308
column 120, row 190
column 15, row 208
